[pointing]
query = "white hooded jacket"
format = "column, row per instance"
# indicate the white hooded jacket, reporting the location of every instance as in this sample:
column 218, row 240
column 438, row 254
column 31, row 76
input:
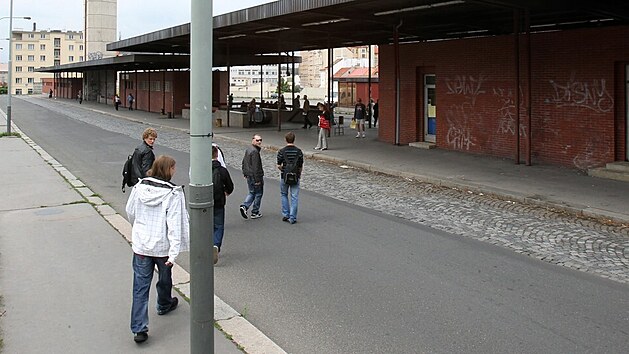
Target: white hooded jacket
column 157, row 211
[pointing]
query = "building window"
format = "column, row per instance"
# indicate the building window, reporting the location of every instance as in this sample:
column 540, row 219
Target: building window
column 31, row 35
column 81, row 58
column 18, row 80
column 30, row 91
column 42, row 47
column 57, row 62
column 71, row 47
column 18, row 91
column 57, row 42
column 167, row 85
column 156, row 86
column 81, row 47
column 18, row 46
column 31, row 58
column 31, row 69
column 18, row 69
column 30, row 80
column 71, row 58
column 42, row 36
column 18, row 58
column 31, row 46
column 42, row 58
column 70, row 36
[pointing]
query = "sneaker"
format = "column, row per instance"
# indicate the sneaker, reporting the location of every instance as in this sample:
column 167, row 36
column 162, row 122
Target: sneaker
column 256, row 216
column 285, row 219
column 215, row 254
column 172, row 307
column 357, row 135
column 243, row 211
column 363, row 135
column 292, row 221
column 140, row 337
column 324, row 149
column 317, row 148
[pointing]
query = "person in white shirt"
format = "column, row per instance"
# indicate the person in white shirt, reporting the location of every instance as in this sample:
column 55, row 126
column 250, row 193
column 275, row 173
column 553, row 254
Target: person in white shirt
column 160, row 231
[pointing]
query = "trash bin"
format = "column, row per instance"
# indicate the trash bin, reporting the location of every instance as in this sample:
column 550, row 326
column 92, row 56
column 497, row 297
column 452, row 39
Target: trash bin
column 219, row 122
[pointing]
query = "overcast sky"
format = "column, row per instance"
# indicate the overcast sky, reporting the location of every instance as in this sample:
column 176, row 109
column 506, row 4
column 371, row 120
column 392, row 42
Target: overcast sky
column 135, row 17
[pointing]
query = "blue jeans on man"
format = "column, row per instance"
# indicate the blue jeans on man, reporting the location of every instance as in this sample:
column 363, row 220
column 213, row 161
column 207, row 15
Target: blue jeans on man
column 143, row 267
column 289, row 210
column 254, row 198
column 219, row 226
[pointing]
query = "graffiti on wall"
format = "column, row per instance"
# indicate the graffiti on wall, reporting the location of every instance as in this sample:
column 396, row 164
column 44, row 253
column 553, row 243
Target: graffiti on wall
column 590, row 157
column 507, row 111
column 461, row 117
column 574, row 93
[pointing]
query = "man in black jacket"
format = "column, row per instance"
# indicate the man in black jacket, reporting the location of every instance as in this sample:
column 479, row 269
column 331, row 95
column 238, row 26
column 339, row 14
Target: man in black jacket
column 143, row 155
column 223, row 186
column 254, row 174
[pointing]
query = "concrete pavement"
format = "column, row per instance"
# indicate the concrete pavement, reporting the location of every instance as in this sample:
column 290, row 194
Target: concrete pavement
column 65, row 272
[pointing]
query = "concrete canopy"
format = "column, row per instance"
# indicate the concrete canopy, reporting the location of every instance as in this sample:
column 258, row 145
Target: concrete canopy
column 294, row 25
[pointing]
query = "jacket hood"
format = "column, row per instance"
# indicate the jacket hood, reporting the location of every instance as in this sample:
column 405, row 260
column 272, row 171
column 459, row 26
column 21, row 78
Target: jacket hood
column 153, row 192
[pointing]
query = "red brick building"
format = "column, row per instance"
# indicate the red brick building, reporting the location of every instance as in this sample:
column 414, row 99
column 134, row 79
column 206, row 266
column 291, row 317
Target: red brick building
column 578, row 96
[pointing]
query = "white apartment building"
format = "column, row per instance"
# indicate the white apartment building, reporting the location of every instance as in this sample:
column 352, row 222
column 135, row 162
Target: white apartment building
column 35, row 49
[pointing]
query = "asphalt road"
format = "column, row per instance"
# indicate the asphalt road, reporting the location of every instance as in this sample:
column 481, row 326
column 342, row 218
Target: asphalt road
column 347, row 279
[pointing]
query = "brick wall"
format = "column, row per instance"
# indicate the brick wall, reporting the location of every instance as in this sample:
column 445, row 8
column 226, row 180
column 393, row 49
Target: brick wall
column 578, row 94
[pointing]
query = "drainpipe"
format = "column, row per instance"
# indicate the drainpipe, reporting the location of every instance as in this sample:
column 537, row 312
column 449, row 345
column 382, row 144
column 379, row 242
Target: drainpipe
column 516, row 47
column 396, row 44
column 369, row 105
column 529, row 91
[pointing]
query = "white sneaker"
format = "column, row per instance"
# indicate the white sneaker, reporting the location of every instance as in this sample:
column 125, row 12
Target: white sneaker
column 255, row 216
column 215, row 254
column 358, row 135
column 363, row 135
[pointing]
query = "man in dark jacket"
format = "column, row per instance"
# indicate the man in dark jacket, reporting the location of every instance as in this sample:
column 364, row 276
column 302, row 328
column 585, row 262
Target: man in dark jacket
column 254, row 174
column 143, row 155
column 223, row 186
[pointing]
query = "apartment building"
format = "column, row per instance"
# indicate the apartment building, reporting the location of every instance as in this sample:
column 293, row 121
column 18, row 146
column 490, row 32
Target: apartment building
column 35, row 49
column 314, row 63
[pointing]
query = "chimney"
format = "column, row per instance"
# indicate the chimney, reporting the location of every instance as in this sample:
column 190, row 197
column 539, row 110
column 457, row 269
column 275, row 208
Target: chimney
column 34, row 26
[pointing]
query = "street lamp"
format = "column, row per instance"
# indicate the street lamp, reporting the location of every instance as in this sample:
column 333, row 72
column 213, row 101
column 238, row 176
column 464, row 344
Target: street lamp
column 10, row 67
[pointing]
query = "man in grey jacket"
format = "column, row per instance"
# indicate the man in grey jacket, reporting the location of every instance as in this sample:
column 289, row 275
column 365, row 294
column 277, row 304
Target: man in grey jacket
column 254, row 174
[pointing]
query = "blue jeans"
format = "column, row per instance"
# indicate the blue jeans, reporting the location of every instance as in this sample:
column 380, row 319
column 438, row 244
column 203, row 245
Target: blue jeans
column 219, row 225
column 254, row 197
column 289, row 210
column 143, row 267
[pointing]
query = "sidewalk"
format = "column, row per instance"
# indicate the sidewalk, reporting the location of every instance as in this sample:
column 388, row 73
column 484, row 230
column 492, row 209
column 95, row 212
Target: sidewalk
column 65, row 273
column 553, row 187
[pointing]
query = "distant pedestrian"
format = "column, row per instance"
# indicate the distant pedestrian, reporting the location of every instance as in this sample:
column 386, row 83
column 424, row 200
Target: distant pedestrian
column 254, row 174
column 375, row 113
column 304, row 111
column 290, row 161
column 230, row 101
column 160, row 231
column 223, row 186
column 130, row 100
column 80, row 97
column 251, row 111
column 360, row 113
column 50, row 94
column 143, row 156
column 324, row 127
column 116, row 101
column 296, row 104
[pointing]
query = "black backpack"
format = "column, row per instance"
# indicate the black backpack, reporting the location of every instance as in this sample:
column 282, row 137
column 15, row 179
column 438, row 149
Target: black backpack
column 127, row 173
column 217, row 182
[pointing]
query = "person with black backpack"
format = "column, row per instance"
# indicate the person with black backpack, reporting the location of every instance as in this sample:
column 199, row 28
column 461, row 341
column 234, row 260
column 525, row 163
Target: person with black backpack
column 290, row 161
column 223, row 186
column 138, row 164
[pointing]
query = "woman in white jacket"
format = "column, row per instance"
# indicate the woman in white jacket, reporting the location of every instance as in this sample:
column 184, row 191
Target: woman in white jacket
column 157, row 211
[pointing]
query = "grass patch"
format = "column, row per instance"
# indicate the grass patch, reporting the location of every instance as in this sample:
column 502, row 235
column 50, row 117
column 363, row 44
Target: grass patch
column 3, row 134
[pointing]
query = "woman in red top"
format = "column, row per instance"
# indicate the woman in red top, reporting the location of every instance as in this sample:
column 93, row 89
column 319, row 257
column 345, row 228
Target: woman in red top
column 324, row 127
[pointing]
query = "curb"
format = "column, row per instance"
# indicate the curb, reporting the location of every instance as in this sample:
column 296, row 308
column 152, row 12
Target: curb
column 244, row 334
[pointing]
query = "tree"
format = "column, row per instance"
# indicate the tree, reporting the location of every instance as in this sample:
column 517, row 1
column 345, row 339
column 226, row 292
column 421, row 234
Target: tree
column 287, row 86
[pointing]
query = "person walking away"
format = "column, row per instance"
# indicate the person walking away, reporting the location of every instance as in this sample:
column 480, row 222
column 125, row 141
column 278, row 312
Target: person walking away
column 160, row 231
column 130, row 100
column 50, row 94
column 254, row 174
column 79, row 96
column 290, row 162
column 375, row 113
column 223, row 186
column 324, row 127
column 143, row 156
column 360, row 112
column 116, row 101
column 251, row 110
column 295, row 108
column 304, row 111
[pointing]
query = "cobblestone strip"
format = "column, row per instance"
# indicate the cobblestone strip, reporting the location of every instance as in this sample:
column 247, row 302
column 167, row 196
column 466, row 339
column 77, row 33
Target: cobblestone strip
column 584, row 244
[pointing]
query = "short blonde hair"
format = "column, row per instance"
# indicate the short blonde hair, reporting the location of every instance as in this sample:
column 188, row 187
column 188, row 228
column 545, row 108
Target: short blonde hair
column 149, row 132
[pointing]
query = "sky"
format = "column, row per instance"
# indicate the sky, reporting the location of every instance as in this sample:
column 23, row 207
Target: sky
column 135, row 17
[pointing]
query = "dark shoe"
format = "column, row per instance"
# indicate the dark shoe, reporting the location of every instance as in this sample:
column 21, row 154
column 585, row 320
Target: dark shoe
column 292, row 221
column 173, row 306
column 285, row 219
column 243, row 211
column 140, row 337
